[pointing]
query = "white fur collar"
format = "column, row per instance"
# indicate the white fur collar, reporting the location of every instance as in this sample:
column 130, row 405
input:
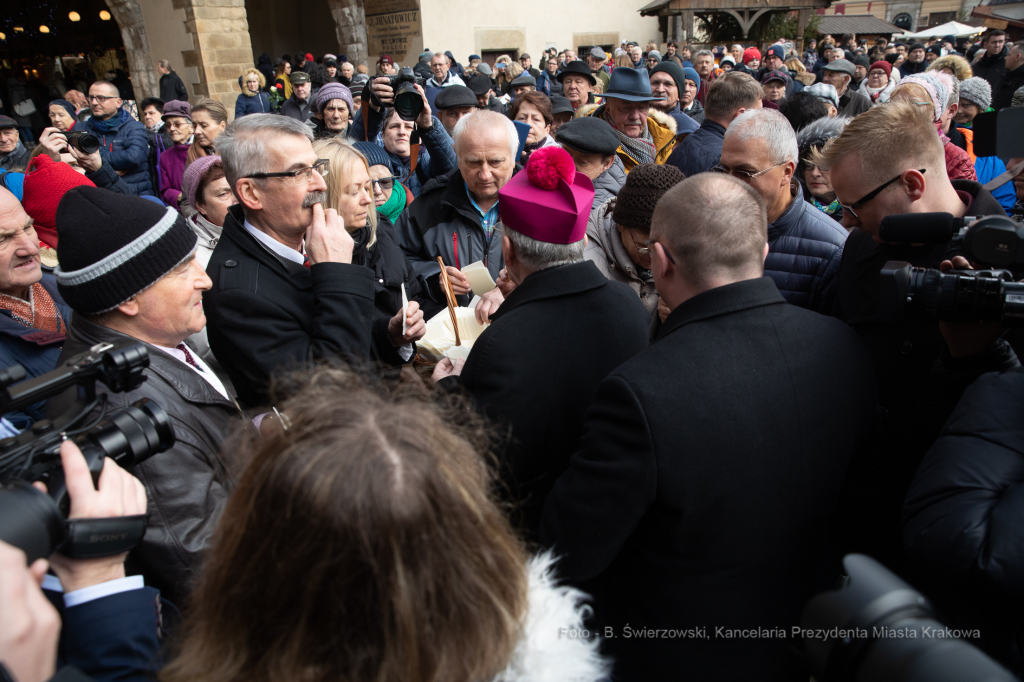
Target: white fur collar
column 553, row 646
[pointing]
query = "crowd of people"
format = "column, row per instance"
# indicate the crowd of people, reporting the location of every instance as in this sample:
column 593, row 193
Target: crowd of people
column 670, row 403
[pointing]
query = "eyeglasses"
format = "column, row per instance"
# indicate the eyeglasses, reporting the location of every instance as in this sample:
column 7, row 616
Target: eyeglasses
column 179, row 124
column 320, row 167
column 385, row 183
column 99, row 98
column 872, row 194
column 648, row 243
column 743, row 175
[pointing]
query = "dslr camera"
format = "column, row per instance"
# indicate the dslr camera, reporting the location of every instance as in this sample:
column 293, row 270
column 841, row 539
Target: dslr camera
column 37, row 522
column 407, row 101
column 988, row 295
column 83, row 141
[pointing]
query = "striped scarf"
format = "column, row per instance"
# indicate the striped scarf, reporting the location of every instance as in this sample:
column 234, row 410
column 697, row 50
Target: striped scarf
column 641, row 149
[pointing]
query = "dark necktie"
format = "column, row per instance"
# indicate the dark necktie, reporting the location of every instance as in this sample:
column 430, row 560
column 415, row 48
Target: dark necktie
column 188, row 356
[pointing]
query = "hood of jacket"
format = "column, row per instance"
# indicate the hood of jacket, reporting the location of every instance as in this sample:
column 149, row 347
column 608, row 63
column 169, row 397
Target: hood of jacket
column 612, row 180
column 263, row 59
column 807, row 78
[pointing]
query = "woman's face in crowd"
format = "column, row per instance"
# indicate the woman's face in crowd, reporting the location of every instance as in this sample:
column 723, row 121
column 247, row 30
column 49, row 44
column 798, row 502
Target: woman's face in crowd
column 356, row 197
column 967, row 111
column 633, row 241
column 216, row 200
column 206, row 129
column 253, row 83
column 818, row 184
column 336, row 115
column 538, row 128
column 60, row 118
column 380, row 194
column 877, row 79
column 179, row 128
column 396, row 136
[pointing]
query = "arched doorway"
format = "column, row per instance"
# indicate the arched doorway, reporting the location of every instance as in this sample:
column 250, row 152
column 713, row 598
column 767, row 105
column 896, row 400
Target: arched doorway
column 904, row 21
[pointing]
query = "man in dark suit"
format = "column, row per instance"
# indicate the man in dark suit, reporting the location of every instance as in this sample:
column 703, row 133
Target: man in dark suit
column 710, row 462
column 562, row 329
column 285, row 291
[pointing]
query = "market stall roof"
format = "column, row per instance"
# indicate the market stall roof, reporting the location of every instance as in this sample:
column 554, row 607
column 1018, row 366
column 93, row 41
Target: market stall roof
column 859, row 24
column 953, row 28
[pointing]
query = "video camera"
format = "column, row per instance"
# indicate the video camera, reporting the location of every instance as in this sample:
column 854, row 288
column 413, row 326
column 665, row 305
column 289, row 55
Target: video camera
column 407, row 100
column 37, row 523
column 879, row 628
column 988, row 295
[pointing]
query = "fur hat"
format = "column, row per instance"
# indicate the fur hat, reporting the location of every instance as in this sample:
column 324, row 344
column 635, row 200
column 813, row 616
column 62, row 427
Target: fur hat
column 978, row 91
column 960, row 67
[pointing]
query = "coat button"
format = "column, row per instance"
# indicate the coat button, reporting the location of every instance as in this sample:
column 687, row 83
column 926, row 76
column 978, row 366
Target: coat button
column 382, row 281
column 230, row 263
column 906, row 347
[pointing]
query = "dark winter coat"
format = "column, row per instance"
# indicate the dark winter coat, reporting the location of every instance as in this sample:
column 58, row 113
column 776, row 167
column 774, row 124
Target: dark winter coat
column 700, row 151
column 171, row 88
column 961, row 518
column 549, row 84
column 708, row 469
column 252, row 103
column 852, row 103
column 1012, row 81
column 16, row 159
column 264, row 66
column 804, row 250
column 266, row 314
column 696, row 112
column 300, row 111
column 159, row 142
column 919, row 383
column 535, row 369
column 608, row 184
column 126, row 149
column 188, row 484
column 992, row 68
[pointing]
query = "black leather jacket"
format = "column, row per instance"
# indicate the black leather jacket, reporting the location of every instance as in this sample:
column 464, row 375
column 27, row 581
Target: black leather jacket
column 188, row 484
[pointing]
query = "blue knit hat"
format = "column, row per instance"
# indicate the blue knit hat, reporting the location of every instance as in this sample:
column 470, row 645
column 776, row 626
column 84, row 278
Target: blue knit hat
column 375, row 155
column 66, row 104
column 691, row 75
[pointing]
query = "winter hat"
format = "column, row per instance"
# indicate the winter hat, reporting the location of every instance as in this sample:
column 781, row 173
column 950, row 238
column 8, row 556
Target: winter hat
column 826, row 92
column 115, row 246
column 934, row 49
column 692, row 75
column 654, row 53
column 645, row 185
column 884, row 66
column 842, row 66
column 549, row 201
column 776, row 76
column 589, row 135
column 46, row 181
column 777, row 50
column 459, row 96
column 862, row 61
column 936, row 89
column 177, row 107
column 727, row 58
column 68, row 106
column 978, row 91
column 673, row 69
column 915, row 46
column 332, row 57
column 485, row 69
column 375, row 155
column 194, row 173
column 960, row 67
column 309, row 56
column 334, row 91
column 751, row 53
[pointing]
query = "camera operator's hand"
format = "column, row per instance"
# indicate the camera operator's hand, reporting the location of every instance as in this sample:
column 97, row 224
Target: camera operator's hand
column 327, row 240
column 381, row 88
column 53, row 143
column 119, row 494
column 424, row 121
column 30, row 626
column 967, row 338
column 90, row 162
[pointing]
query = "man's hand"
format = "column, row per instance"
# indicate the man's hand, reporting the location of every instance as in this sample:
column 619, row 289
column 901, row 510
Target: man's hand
column 30, row 626
column 424, row 121
column 460, row 283
column 381, row 87
column 967, row 338
column 53, row 143
column 327, row 240
column 504, row 284
column 487, row 304
column 90, row 162
column 446, row 368
column 415, row 327
column 119, row 494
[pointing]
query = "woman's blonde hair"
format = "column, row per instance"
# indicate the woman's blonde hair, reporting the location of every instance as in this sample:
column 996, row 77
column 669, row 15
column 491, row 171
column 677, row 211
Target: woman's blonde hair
column 340, row 155
column 794, row 64
column 260, row 76
column 219, row 113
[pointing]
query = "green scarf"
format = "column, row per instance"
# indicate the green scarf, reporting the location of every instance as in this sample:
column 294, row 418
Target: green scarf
column 827, row 210
column 395, row 205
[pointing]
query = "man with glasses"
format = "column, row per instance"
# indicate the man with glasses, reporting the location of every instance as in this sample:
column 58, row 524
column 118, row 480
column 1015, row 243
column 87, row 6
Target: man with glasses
column 711, row 461
column 889, row 161
column 804, row 245
column 124, row 143
column 285, row 292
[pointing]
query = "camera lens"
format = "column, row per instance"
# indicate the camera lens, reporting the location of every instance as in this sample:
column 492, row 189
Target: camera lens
column 131, row 436
column 408, row 102
column 87, row 143
column 29, row 520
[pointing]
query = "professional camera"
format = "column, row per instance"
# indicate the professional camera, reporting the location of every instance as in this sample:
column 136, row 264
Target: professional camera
column 83, row 141
column 36, row 522
column 988, row 295
column 879, row 628
column 407, row 100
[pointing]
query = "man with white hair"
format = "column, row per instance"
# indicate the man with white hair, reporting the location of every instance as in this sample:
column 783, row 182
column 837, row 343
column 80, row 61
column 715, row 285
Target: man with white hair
column 457, row 217
column 443, row 77
column 804, row 245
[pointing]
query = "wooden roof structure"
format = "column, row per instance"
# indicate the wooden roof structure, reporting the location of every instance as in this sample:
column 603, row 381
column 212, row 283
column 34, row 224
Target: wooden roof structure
column 746, row 12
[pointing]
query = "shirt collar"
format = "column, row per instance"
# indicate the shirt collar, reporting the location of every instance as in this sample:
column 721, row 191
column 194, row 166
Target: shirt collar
column 274, row 245
column 483, row 213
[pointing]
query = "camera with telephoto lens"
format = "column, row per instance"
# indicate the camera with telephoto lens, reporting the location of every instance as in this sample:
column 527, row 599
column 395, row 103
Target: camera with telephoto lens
column 407, row 100
column 37, row 522
column 992, row 294
column 881, row 629
column 83, row 141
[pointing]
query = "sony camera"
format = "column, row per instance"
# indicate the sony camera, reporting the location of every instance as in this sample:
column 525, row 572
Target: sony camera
column 83, row 141
column 37, row 523
column 988, row 295
column 881, row 629
column 407, row 100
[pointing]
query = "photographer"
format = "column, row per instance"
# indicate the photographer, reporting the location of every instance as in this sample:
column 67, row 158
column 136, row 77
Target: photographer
column 111, row 623
column 890, row 161
column 102, row 174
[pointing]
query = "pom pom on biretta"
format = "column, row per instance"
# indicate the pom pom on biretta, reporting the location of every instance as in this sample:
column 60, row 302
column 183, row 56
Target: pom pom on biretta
column 548, row 165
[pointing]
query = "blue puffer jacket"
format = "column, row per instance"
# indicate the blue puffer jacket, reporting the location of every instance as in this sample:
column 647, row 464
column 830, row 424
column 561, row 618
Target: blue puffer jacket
column 437, row 157
column 252, row 104
column 804, row 250
column 701, row 151
column 35, row 350
column 126, row 148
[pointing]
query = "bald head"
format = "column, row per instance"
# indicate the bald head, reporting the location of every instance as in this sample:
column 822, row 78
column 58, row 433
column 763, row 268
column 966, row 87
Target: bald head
column 716, row 228
column 12, row 215
column 103, row 110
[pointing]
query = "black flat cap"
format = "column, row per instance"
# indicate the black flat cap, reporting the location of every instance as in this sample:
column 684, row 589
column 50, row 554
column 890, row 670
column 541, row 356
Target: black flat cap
column 455, row 96
column 480, row 84
column 525, row 79
column 561, row 105
column 588, row 135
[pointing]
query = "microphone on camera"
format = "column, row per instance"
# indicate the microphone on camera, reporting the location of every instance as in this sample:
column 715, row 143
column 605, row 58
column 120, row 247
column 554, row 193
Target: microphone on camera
column 919, row 228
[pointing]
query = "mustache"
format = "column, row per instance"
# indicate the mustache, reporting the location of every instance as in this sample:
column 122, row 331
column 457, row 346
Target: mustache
column 313, row 198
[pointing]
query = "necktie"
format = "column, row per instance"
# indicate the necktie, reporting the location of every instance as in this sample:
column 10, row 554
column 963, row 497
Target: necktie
column 188, row 356
column 305, row 260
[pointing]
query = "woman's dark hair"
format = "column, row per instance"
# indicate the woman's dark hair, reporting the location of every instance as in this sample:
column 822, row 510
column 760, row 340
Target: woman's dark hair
column 213, row 173
column 537, row 100
column 360, row 544
column 801, row 108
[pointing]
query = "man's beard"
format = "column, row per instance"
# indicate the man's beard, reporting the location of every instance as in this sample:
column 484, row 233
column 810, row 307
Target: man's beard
column 314, row 198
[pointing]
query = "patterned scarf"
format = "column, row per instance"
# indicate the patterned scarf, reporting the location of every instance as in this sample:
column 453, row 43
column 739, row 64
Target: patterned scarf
column 641, row 149
column 827, row 210
column 38, row 312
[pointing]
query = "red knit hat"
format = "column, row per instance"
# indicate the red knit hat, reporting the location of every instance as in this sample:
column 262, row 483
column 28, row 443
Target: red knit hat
column 883, row 65
column 46, row 181
column 751, row 53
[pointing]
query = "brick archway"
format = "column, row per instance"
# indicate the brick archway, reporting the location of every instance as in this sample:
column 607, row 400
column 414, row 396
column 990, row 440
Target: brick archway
column 128, row 14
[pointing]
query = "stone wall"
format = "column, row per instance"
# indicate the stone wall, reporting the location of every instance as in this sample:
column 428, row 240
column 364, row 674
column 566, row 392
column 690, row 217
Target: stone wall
column 128, row 15
column 221, row 47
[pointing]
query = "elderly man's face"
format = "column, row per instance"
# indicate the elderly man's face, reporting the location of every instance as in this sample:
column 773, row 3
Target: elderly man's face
column 347, row 70
column 559, row 120
column 628, row 117
column 861, row 72
column 636, row 54
column 8, row 140
column 837, row 80
column 484, row 99
column 287, row 203
column 595, row 63
column 520, row 89
column 703, row 65
column 302, row 91
column 753, row 156
column 576, row 89
column 526, row 63
column 485, row 161
column 449, row 117
column 171, row 310
column 663, row 85
column 19, row 248
column 397, row 134
column 439, row 67
column 688, row 94
column 109, row 101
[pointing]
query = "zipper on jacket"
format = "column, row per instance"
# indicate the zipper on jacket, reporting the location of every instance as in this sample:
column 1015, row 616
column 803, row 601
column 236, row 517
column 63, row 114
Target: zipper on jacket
column 455, row 249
